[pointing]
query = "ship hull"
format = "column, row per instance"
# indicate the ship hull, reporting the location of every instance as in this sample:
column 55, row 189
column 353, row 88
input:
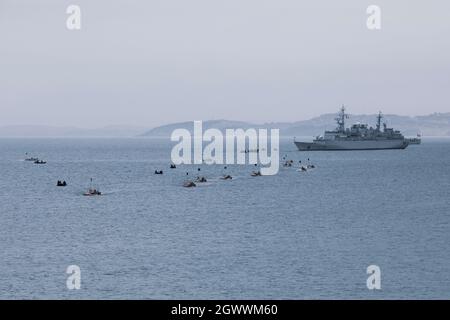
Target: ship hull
column 351, row 145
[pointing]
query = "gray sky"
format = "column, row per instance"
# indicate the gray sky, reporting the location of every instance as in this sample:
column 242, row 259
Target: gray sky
column 153, row 62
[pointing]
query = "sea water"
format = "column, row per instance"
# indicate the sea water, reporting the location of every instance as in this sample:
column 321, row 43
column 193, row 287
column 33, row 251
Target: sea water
column 294, row 235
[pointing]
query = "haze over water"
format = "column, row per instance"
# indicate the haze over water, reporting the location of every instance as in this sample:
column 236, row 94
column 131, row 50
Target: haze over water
column 293, row 235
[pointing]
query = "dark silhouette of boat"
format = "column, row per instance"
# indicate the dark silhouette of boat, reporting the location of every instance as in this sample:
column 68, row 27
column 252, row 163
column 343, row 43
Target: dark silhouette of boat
column 189, row 184
column 256, row 173
column 200, row 179
column 92, row 191
column 30, row 158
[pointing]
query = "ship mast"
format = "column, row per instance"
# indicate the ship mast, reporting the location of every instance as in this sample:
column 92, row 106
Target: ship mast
column 341, row 119
column 379, row 117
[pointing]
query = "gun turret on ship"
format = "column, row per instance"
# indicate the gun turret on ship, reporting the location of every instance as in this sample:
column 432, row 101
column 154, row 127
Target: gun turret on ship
column 357, row 137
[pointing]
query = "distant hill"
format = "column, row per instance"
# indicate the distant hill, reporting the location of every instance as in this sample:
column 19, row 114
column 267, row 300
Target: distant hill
column 166, row 130
column 436, row 124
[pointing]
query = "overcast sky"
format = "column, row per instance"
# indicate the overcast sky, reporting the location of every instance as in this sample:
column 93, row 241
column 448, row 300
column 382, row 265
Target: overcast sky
column 153, row 62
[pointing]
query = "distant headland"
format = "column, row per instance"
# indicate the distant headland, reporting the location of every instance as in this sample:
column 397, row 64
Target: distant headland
column 436, row 124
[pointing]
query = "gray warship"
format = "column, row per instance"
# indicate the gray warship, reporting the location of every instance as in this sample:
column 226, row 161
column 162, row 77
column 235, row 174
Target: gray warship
column 357, row 137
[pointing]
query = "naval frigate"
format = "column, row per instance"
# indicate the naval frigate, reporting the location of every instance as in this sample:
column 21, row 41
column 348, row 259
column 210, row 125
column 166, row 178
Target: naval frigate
column 357, row 137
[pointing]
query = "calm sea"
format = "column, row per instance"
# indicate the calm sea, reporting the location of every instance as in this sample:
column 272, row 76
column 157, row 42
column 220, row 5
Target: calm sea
column 294, row 235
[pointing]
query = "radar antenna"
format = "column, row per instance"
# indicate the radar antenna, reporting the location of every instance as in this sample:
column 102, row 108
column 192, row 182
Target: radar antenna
column 379, row 117
column 341, row 119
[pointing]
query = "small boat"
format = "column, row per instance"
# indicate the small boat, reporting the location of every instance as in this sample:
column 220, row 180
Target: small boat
column 288, row 163
column 189, row 184
column 225, row 176
column 200, row 179
column 309, row 165
column 61, row 183
column 40, row 161
column 30, row 158
column 256, row 173
column 302, row 169
column 251, row 150
column 158, row 172
column 172, row 166
column 92, row 192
